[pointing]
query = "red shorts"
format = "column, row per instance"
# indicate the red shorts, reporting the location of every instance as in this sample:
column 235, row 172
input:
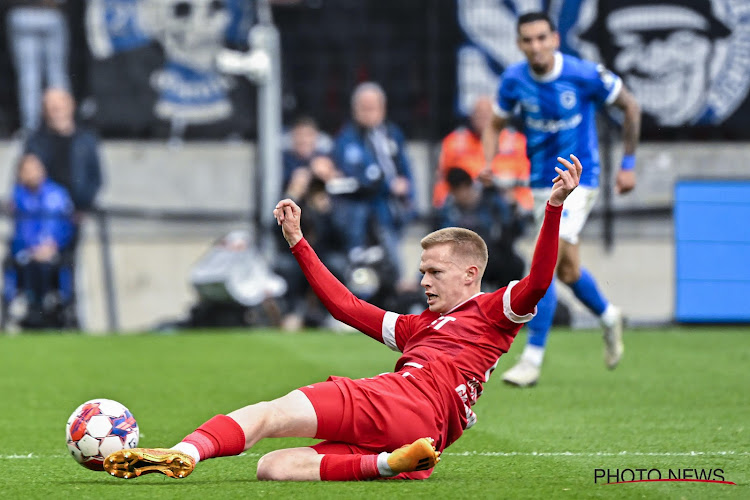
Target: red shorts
column 380, row 413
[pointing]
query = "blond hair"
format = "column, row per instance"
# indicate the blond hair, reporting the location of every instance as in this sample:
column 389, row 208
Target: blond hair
column 464, row 242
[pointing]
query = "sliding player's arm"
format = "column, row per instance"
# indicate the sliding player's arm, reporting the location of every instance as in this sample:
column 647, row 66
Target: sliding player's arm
column 340, row 302
column 526, row 293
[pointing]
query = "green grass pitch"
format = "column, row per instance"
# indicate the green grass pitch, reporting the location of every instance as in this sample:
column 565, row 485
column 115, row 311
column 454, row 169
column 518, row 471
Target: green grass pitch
column 679, row 400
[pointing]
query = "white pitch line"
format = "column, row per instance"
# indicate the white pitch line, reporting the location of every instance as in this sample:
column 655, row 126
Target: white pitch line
column 593, row 454
column 26, row 456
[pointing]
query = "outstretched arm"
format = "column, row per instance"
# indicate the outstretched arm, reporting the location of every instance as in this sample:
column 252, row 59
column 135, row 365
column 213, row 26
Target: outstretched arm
column 525, row 295
column 340, row 302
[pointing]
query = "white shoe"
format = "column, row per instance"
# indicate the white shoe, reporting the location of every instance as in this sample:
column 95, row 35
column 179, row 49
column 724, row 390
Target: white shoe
column 613, row 346
column 523, row 374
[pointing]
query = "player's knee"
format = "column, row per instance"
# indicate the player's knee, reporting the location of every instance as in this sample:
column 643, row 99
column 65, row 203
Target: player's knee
column 273, row 467
column 567, row 272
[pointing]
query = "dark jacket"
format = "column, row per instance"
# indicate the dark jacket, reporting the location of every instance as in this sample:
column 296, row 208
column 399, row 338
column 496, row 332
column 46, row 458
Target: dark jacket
column 356, row 157
column 85, row 168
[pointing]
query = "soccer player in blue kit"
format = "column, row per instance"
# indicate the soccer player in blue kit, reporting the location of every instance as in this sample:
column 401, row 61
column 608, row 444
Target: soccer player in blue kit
column 557, row 97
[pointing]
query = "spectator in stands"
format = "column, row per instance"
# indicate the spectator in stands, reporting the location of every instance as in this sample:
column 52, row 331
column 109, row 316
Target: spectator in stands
column 43, row 232
column 71, row 155
column 303, row 142
column 480, row 207
column 69, row 151
column 38, row 39
column 307, row 171
column 372, row 151
column 463, row 148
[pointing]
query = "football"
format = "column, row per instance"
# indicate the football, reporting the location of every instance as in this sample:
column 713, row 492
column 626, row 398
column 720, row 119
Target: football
column 97, row 428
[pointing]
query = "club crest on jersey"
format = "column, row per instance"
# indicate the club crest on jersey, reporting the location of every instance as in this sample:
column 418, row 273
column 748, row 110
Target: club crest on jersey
column 568, row 99
column 441, row 321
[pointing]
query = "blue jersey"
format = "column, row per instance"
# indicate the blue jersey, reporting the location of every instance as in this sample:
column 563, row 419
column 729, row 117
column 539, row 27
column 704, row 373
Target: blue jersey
column 558, row 112
column 43, row 214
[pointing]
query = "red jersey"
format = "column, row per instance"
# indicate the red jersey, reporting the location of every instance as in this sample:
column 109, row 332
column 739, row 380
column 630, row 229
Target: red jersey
column 455, row 352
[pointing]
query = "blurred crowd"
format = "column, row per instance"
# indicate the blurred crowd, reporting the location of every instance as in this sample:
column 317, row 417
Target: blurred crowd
column 357, row 190
column 58, row 172
column 357, row 193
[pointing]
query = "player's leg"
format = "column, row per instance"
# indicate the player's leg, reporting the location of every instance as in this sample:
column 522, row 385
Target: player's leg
column 225, row 435
column 332, row 461
column 584, row 286
column 222, row 435
column 526, row 371
column 581, row 282
column 291, row 464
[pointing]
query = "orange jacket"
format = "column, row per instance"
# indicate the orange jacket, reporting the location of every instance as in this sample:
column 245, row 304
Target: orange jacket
column 463, row 148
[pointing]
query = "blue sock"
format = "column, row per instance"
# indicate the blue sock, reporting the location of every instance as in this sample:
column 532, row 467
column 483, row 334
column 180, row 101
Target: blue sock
column 588, row 293
column 541, row 323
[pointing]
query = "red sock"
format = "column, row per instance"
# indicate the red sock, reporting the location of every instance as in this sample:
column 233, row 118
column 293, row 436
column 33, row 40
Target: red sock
column 219, row 437
column 349, row 467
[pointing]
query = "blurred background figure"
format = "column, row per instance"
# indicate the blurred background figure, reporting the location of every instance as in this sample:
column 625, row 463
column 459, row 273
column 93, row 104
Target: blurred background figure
column 463, row 148
column 307, row 186
column 70, row 154
column 39, row 43
column 372, row 151
column 69, row 151
column 38, row 271
column 303, row 142
column 481, row 208
column 307, row 171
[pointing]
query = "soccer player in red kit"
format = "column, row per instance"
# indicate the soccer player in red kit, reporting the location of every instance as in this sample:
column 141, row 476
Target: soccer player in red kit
column 395, row 424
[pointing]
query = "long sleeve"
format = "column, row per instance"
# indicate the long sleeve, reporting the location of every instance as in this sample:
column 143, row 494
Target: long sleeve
column 528, row 291
column 340, row 302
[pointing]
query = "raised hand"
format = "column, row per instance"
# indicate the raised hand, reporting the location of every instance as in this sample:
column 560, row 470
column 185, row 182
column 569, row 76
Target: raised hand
column 287, row 214
column 566, row 180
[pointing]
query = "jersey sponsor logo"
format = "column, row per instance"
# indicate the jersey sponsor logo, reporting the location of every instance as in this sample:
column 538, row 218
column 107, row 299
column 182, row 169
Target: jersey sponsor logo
column 469, row 393
column 554, row 126
column 530, row 106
